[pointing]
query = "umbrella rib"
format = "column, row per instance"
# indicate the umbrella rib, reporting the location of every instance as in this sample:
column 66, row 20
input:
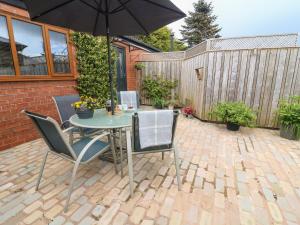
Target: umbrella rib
column 120, row 8
column 164, row 7
column 53, row 8
column 134, row 17
column 91, row 6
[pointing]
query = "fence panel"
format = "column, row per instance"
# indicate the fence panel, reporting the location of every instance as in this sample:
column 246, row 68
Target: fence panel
column 170, row 70
column 257, row 77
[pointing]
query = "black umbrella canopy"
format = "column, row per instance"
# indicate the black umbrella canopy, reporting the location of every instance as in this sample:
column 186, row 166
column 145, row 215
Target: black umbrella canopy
column 106, row 17
column 126, row 17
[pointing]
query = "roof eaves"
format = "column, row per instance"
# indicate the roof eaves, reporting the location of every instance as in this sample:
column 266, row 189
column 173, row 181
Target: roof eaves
column 139, row 43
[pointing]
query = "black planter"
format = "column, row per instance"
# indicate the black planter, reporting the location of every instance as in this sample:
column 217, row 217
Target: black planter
column 233, row 126
column 85, row 114
column 289, row 132
column 158, row 106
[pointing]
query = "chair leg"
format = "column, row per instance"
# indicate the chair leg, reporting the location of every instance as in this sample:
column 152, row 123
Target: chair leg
column 177, row 168
column 113, row 149
column 41, row 171
column 71, row 185
column 121, row 151
column 71, row 138
column 162, row 155
column 130, row 165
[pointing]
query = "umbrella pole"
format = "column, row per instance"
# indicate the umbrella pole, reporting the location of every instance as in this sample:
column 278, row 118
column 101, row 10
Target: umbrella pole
column 110, row 67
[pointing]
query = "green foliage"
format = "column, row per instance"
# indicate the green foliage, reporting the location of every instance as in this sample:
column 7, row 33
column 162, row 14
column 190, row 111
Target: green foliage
column 92, row 65
column 158, row 90
column 139, row 66
column 289, row 114
column 159, row 103
column 234, row 112
column 161, row 39
column 200, row 24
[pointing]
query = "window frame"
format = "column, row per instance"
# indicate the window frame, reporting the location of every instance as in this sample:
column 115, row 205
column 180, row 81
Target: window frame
column 59, row 30
column 46, row 39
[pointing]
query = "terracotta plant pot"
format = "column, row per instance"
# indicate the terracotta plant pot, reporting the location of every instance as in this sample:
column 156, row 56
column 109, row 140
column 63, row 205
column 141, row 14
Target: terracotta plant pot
column 232, row 126
column 289, row 132
column 85, row 114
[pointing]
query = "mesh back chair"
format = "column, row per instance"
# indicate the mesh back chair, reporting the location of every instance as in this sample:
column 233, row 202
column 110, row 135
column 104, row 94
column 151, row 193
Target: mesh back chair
column 135, row 148
column 137, row 99
column 81, row 152
column 65, row 111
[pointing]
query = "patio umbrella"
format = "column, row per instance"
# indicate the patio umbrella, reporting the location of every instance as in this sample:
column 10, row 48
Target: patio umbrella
column 106, row 17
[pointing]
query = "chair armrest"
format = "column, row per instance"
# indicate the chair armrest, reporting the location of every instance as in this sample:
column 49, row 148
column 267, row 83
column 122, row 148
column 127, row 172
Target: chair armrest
column 68, row 129
column 84, row 150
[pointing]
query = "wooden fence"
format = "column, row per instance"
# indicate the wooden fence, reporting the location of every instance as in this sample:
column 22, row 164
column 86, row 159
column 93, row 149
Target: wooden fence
column 257, row 77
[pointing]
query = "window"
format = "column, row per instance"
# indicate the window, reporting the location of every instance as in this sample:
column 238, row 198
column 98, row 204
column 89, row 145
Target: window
column 59, row 52
column 30, row 48
column 33, row 51
column 6, row 59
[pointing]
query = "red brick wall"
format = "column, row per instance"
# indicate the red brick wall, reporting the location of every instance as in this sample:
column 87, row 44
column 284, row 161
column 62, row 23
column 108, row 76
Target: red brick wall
column 15, row 127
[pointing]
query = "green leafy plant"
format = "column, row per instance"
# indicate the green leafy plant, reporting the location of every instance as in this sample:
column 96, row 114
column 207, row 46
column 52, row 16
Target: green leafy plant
column 158, row 89
column 139, row 66
column 289, row 114
column 92, row 65
column 159, row 103
column 235, row 113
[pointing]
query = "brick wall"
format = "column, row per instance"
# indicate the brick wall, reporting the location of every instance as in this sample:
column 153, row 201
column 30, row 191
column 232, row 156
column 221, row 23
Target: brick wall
column 35, row 96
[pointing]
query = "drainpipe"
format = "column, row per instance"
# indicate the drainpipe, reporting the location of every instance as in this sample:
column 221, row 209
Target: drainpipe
column 172, row 42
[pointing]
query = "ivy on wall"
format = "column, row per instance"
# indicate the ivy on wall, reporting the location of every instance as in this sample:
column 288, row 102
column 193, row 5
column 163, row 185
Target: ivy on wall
column 92, row 65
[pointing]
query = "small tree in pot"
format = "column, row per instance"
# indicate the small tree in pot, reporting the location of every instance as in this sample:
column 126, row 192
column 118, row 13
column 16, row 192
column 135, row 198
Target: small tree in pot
column 289, row 118
column 158, row 90
column 234, row 114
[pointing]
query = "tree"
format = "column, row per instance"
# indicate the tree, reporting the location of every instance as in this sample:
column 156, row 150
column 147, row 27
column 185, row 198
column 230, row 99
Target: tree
column 200, row 24
column 161, row 39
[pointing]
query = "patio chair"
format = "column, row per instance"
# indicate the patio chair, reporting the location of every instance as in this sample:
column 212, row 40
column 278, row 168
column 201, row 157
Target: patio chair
column 65, row 111
column 130, row 98
column 136, row 140
column 81, row 152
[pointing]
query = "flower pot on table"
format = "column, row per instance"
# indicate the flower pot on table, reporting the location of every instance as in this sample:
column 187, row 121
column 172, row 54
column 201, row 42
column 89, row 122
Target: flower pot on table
column 84, row 113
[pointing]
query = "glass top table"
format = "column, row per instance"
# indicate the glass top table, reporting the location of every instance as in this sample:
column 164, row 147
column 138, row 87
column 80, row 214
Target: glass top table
column 102, row 120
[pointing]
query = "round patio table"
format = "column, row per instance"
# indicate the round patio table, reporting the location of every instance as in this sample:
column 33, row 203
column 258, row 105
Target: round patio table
column 102, row 120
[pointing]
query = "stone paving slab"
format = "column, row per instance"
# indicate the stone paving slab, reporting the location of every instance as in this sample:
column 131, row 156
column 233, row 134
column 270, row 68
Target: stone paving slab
column 246, row 177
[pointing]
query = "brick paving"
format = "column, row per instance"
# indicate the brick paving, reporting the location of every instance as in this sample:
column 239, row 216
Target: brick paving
column 247, row 177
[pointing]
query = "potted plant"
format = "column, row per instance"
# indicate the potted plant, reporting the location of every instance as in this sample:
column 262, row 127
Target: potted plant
column 289, row 118
column 159, row 103
column 158, row 90
column 188, row 111
column 85, row 107
column 234, row 114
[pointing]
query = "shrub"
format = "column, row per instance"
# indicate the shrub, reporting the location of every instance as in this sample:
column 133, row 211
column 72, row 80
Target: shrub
column 139, row 66
column 158, row 89
column 289, row 114
column 92, row 65
column 234, row 112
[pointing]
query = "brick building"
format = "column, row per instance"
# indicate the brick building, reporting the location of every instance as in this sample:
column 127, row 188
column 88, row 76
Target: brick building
column 37, row 62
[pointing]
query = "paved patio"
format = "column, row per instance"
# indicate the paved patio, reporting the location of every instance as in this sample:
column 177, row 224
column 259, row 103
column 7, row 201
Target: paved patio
column 248, row 177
